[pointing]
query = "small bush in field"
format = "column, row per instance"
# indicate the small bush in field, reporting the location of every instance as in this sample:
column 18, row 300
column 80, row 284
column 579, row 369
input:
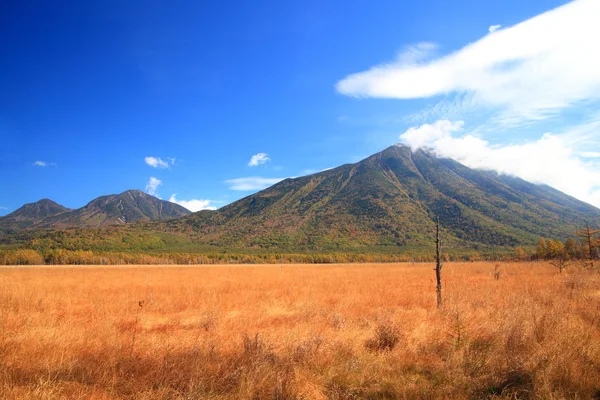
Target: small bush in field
column 385, row 339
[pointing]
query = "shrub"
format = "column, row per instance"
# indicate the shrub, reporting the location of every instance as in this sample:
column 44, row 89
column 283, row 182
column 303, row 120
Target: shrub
column 386, row 338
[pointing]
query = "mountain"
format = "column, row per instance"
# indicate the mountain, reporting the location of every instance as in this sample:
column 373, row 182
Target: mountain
column 384, row 203
column 31, row 214
column 390, row 199
column 129, row 206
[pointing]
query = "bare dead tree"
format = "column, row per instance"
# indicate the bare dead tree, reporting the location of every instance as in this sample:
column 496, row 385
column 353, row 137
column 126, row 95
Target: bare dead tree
column 497, row 272
column 588, row 236
column 438, row 263
column 561, row 262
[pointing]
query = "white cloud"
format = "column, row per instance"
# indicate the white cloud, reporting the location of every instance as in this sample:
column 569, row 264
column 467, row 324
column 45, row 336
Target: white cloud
column 157, row 162
column 194, row 204
column 44, row 164
column 494, row 28
column 426, row 134
column 152, row 186
column 550, row 160
column 526, row 72
column 590, row 154
column 3, row 208
column 258, row 159
column 252, row 183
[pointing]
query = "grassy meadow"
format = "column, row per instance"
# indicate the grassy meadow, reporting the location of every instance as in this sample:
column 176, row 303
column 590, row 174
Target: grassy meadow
column 344, row 331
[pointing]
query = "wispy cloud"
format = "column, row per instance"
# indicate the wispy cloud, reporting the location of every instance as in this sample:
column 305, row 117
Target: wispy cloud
column 44, row 164
column 550, row 160
column 258, row 159
column 315, row 171
column 252, row 183
column 194, row 204
column 152, row 186
column 526, row 72
column 494, row 28
column 416, row 53
column 157, row 162
column 3, row 208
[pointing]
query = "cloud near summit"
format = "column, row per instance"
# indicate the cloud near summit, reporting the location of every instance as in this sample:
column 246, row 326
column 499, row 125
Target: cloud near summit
column 152, row 186
column 512, row 77
column 525, row 72
column 194, row 204
column 550, row 160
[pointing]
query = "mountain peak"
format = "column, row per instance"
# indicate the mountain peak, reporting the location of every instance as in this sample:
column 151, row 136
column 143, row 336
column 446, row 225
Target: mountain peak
column 44, row 206
column 31, row 213
column 45, row 201
column 136, row 192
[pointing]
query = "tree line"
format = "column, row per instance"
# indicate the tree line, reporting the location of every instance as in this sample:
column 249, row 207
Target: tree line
column 585, row 247
column 89, row 257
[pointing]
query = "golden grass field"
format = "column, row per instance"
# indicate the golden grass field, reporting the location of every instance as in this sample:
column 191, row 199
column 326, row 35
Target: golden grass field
column 354, row 331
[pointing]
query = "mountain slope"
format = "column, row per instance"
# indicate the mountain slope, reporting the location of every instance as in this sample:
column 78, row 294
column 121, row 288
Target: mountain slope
column 129, row 206
column 391, row 198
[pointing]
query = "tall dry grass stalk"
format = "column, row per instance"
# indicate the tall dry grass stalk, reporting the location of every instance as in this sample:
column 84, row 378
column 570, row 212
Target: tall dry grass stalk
column 304, row 332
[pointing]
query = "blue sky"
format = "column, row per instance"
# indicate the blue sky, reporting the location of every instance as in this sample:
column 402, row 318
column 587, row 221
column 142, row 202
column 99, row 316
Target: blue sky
column 211, row 101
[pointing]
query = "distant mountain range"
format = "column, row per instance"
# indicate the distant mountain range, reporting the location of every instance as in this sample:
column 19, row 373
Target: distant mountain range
column 388, row 200
column 129, row 206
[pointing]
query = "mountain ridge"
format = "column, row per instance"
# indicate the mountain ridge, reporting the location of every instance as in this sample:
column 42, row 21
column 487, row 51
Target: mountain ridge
column 114, row 209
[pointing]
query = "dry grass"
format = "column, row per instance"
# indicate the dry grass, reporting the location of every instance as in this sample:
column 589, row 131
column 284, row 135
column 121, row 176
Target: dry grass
column 310, row 332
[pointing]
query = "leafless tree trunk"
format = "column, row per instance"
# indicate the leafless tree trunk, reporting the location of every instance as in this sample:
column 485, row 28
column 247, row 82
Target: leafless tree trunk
column 560, row 263
column 588, row 236
column 438, row 262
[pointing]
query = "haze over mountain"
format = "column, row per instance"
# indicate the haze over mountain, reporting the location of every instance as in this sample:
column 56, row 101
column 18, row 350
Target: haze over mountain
column 129, row 206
